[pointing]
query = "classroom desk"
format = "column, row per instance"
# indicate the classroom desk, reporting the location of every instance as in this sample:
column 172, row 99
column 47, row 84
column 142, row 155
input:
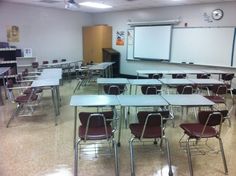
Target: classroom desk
column 111, row 81
column 148, row 72
column 206, row 82
column 106, row 67
column 3, row 70
column 141, row 82
column 138, row 101
column 58, row 64
column 192, row 100
column 90, row 101
column 192, row 71
column 172, row 82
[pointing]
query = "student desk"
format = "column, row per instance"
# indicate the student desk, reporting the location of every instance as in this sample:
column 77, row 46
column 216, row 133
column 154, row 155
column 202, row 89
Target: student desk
column 138, row 101
column 106, row 67
column 111, row 81
column 90, row 101
column 3, row 70
column 141, row 82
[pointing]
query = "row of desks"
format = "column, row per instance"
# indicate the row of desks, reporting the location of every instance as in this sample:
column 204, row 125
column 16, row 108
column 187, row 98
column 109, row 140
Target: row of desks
column 124, row 101
column 182, row 71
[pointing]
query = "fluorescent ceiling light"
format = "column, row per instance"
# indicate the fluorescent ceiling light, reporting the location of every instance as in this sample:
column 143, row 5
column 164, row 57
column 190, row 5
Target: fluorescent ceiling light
column 95, row 5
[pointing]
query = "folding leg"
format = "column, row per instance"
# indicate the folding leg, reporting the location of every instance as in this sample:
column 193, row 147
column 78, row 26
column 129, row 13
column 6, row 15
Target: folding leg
column 76, row 158
column 131, row 157
column 168, row 156
column 223, row 155
column 189, row 157
column 116, row 158
column 14, row 114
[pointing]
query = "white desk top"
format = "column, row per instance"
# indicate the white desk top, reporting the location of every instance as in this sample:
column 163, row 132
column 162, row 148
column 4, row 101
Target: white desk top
column 3, row 70
column 187, row 100
column 101, row 66
column 93, row 100
column 171, row 81
column 112, row 81
column 194, row 72
column 215, row 71
column 45, row 83
column 146, row 72
column 59, row 63
column 51, row 73
column 142, row 100
column 144, row 82
column 206, row 81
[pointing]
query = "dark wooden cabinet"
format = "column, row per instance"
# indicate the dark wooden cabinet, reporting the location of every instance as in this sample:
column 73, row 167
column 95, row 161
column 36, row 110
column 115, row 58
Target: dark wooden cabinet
column 111, row 55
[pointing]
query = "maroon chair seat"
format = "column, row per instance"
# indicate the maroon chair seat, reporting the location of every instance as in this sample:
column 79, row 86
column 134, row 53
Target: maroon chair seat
column 195, row 130
column 184, row 89
column 26, row 98
column 216, row 99
column 35, row 64
column 29, row 91
column 45, row 62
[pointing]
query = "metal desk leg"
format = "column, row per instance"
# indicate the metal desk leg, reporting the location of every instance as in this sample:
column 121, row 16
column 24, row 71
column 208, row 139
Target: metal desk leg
column 122, row 112
column 75, row 126
column 54, row 104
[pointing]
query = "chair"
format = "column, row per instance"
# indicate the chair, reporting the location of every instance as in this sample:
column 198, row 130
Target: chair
column 155, row 76
column 227, row 78
column 35, row 65
column 205, row 128
column 219, row 93
column 114, row 89
column 96, row 126
column 45, row 62
column 54, row 61
column 151, row 89
column 63, row 60
column 185, row 89
column 151, row 125
column 23, row 100
column 179, row 76
column 203, row 76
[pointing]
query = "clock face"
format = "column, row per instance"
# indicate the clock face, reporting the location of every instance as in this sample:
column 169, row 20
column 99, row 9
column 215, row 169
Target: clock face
column 217, row 14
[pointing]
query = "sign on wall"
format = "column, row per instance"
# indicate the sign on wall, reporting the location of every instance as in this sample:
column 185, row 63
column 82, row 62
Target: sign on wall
column 13, row 34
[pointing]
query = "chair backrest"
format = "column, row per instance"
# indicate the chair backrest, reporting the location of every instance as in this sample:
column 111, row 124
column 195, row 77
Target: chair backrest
column 114, row 89
column 35, row 64
column 227, row 77
column 203, row 76
column 210, row 118
column 45, row 62
column 63, row 60
column 83, row 116
column 142, row 115
column 54, row 61
column 179, row 76
column 155, row 76
column 151, row 89
column 185, row 89
column 95, row 120
column 219, row 89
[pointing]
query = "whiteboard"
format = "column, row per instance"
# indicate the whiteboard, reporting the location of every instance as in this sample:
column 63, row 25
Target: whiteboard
column 152, row 42
column 206, row 46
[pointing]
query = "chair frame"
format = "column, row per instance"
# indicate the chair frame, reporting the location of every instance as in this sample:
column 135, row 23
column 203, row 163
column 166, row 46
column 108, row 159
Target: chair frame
column 132, row 165
column 211, row 115
column 111, row 138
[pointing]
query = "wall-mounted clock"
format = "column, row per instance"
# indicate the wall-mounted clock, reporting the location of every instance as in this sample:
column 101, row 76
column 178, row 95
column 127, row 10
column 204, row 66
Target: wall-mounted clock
column 217, row 14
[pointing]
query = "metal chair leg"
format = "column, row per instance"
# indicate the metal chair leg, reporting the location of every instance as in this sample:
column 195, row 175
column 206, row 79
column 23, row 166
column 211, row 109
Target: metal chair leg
column 76, row 159
column 117, row 170
column 189, row 158
column 14, row 114
column 131, row 157
column 168, row 157
column 223, row 155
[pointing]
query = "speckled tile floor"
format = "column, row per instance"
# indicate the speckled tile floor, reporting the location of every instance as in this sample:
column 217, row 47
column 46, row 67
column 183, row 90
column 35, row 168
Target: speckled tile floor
column 34, row 146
